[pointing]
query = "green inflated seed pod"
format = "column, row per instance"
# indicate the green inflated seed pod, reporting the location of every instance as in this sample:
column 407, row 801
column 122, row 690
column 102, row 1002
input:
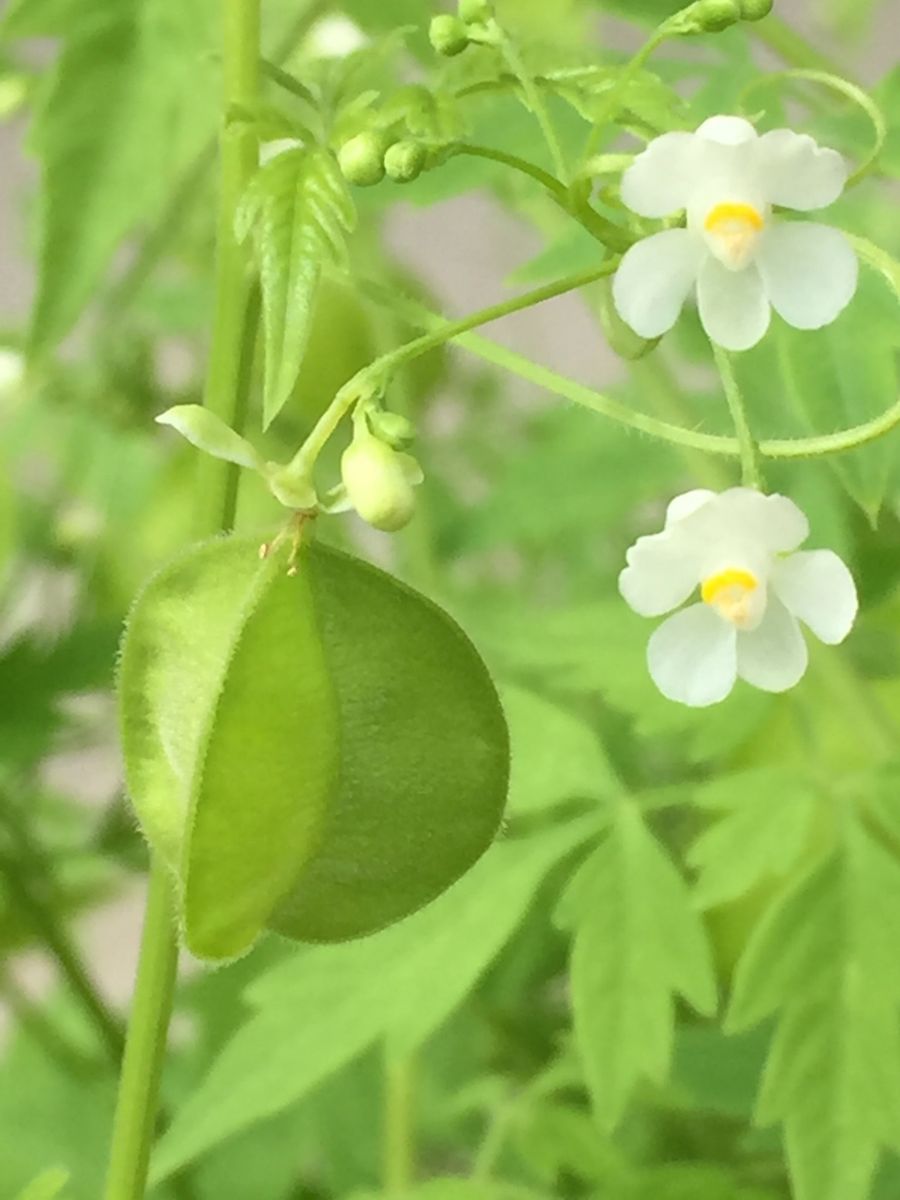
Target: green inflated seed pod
column 320, row 752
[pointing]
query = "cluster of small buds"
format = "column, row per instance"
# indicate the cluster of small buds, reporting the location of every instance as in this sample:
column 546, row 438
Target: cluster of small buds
column 712, row 16
column 368, row 157
column 473, row 23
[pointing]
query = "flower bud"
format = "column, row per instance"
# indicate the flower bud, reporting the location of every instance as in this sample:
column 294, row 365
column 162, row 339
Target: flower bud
column 716, row 15
column 755, row 10
column 404, row 161
column 379, row 481
column 361, row 159
column 474, row 12
column 448, row 35
column 392, row 428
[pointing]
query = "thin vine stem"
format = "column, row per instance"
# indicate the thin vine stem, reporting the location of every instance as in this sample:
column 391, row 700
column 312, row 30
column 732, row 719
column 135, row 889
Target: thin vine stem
column 613, row 236
column 535, row 102
column 749, row 451
column 371, row 377
column 723, row 446
column 227, row 375
column 626, row 75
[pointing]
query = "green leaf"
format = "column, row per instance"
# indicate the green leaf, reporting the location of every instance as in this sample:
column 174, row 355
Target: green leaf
column 130, row 102
column 334, row 706
column 320, row 1009
column 825, row 959
column 51, row 1115
column 764, row 827
column 555, row 756
column 299, row 211
column 637, row 944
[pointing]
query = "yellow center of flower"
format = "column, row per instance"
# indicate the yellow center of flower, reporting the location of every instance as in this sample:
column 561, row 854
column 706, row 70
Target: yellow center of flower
column 734, row 228
column 730, row 592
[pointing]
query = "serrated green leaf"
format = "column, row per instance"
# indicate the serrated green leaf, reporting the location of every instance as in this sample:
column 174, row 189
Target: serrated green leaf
column 298, row 210
column 130, row 101
column 825, row 959
column 334, row 705
column 320, row 1009
column 637, row 944
column 555, row 756
column 765, row 817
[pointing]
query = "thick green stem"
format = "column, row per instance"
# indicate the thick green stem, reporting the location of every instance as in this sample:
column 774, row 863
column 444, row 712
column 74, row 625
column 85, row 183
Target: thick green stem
column 399, row 1166
column 227, row 382
column 145, row 1048
column 749, row 451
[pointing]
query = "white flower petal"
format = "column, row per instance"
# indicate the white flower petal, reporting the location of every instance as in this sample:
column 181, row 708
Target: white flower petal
column 659, row 575
column 797, row 172
column 660, row 179
column 692, row 657
column 809, row 272
column 742, row 528
column 733, row 305
column 654, row 279
column 728, row 131
column 773, row 656
column 817, row 587
column 687, row 503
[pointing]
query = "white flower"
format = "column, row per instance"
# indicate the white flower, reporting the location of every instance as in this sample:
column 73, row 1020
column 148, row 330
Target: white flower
column 740, row 548
column 335, row 36
column 740, row 257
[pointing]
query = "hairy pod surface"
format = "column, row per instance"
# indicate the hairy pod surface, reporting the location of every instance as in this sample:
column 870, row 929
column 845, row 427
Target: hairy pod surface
column 319, row 754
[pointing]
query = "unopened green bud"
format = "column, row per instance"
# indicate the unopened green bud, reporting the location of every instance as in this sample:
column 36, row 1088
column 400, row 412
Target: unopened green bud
column 362, row 159
column 380, row 482
column 715, row 15
column 404, row 161
column 755, row 10
column 392, row 428
column 448, row 35
column 474, row 12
